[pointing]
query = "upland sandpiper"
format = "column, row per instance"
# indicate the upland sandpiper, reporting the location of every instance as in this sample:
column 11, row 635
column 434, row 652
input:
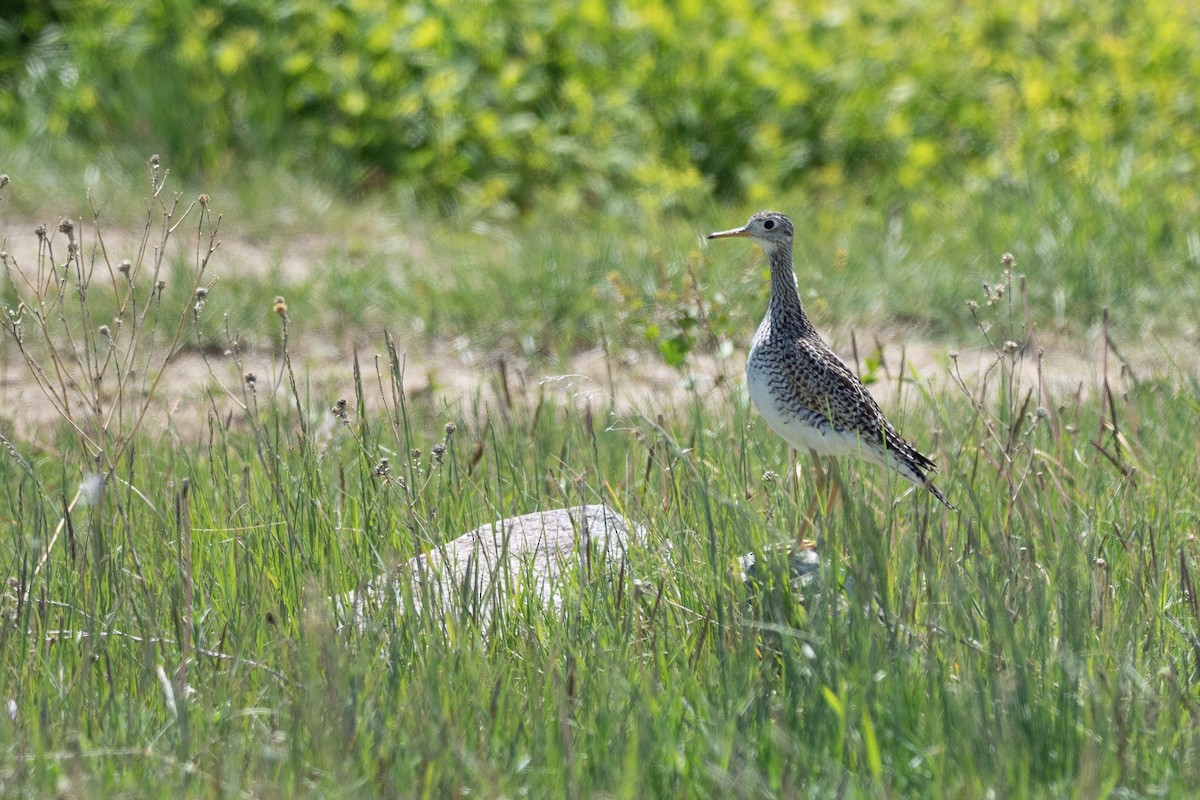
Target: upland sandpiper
column 803, row 390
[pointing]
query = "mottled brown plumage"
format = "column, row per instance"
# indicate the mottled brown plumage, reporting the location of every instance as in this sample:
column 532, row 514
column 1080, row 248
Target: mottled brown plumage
column 804, row 391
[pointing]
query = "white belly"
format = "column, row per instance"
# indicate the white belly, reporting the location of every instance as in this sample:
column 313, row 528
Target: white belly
column 798, row 430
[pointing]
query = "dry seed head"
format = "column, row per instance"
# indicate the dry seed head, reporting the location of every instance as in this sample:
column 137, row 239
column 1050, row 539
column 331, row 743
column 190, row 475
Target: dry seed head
column 1008, row 261
column 105, row 332
column 280, row 305
column 439, row 452
column 40, row 230
column 66, row 226
column 204, row 200
column 251, row 379
column 124, row 267
column 154, row 176
column 450, row 429
column 3, row 181
column 382, row 468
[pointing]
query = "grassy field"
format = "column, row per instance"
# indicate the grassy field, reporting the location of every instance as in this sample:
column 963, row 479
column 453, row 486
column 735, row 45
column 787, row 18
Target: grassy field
column 167, row 624
column 480, row 226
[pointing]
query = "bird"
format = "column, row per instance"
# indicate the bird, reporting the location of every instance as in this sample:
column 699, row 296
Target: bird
column 806, row 394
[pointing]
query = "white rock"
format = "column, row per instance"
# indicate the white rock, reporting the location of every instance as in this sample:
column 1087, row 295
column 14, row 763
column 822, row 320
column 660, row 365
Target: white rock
column 501, row 561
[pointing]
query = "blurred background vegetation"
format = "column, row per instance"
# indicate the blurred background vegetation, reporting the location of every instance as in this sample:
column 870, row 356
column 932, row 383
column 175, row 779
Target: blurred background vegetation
column 489, row 105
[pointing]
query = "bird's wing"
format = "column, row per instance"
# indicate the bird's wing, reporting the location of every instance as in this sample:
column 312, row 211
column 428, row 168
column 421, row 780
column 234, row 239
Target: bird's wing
column 824, row 384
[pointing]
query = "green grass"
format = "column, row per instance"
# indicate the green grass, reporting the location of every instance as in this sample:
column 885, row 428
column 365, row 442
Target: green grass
column 166, row 622
column 172, row 634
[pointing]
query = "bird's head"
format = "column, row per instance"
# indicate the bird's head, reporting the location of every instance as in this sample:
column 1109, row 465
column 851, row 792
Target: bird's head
column 768, row 229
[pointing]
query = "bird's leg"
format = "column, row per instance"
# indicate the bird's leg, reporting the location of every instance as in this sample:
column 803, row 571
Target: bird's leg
column 829, row 485
column 807, row 520
column 824, row 497
column 822, row 481
column 834, row 488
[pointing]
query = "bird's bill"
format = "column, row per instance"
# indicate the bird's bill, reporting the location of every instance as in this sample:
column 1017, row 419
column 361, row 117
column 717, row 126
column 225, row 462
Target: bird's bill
column 728, row 234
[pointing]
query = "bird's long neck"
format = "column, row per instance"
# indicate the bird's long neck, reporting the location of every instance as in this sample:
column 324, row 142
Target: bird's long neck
column 785, row 306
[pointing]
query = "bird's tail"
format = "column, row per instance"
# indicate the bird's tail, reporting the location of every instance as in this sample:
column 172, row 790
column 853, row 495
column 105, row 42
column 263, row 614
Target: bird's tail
column 936, row 492
column 909, row 462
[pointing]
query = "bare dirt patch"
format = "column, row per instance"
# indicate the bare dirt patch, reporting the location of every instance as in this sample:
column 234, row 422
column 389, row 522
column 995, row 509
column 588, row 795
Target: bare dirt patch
column 195, row 386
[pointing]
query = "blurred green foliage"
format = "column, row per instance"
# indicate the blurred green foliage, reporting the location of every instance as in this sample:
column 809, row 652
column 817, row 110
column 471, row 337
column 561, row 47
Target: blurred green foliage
column 657, row 104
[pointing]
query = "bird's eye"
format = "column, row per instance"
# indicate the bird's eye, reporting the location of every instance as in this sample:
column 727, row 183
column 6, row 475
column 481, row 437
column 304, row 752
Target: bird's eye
column 769, row 224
